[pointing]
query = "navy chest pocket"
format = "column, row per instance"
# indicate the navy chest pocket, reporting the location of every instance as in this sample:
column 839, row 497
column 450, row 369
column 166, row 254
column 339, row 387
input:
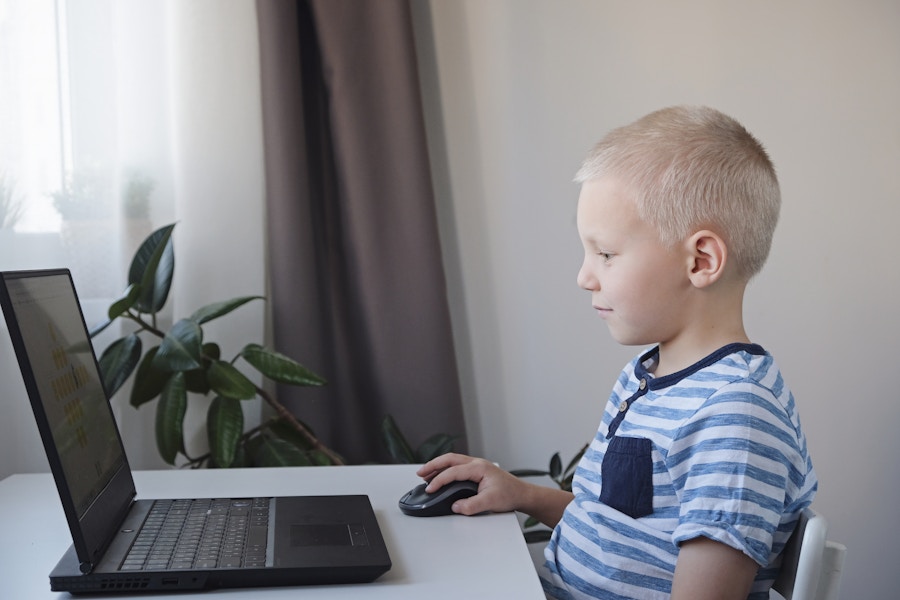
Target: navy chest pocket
column 627, row 476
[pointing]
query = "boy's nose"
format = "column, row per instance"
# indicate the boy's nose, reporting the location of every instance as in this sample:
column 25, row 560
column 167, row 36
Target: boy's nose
column 586, row 280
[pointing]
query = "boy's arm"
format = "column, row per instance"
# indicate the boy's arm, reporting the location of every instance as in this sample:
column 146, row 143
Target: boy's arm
column 545, row 504
column 498, row 490
column 710, row 570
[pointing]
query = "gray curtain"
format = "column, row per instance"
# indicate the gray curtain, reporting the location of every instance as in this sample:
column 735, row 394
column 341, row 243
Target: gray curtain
column 357, row 287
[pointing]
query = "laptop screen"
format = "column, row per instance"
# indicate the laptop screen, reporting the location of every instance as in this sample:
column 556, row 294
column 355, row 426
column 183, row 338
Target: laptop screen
column 68, row 383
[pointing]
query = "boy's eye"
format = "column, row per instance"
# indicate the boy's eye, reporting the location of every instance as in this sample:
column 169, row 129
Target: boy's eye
column 606, row 256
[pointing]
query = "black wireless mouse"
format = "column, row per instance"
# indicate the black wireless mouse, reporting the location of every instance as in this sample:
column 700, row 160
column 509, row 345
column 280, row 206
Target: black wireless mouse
column 419, row 503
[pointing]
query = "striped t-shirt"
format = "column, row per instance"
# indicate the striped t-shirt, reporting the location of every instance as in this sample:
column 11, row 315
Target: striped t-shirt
column 715, row 450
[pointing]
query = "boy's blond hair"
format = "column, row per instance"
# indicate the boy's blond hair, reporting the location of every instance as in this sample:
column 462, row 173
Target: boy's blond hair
column 693, row 168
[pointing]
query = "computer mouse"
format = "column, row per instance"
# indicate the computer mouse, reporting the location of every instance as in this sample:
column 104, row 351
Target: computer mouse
column 419, row 503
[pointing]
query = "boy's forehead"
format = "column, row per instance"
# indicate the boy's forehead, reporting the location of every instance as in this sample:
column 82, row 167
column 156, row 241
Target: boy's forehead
column 605, row 201
column 608, row 214
column 607, row 191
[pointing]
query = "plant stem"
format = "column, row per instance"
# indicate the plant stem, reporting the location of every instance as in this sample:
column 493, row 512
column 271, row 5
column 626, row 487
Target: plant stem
column 145, row 326
column 285, row 414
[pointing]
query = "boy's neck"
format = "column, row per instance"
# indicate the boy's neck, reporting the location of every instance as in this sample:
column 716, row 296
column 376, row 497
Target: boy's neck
column 672, row 359
column 715, row 321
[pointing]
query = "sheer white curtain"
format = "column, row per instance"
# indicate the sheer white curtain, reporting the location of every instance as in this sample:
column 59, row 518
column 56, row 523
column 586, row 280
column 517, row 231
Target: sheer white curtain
column 117, row 118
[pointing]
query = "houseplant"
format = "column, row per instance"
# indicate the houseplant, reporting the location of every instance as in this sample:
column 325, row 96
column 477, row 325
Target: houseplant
column 136, row 193
column 88, row 230
column 85, row 195
column 182, row 361
column 401, row 450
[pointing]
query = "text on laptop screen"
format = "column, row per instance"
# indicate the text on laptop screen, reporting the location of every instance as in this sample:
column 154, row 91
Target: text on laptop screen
column 70, row 388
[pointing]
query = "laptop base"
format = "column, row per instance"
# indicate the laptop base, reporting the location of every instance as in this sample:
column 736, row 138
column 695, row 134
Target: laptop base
column 67, row 577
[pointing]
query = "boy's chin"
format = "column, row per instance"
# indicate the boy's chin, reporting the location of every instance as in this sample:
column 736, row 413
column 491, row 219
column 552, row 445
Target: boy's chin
column 630, row 338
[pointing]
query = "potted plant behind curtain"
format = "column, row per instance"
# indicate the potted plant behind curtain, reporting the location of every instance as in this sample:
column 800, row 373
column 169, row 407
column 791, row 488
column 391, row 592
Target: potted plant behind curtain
column 11, row 211
column 85, row 202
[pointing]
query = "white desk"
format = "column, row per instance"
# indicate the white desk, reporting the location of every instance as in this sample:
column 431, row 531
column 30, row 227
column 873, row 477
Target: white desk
column 436, row 558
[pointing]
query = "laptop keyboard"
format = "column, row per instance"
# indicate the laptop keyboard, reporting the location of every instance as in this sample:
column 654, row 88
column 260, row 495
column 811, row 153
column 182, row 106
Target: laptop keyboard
column 201, row 534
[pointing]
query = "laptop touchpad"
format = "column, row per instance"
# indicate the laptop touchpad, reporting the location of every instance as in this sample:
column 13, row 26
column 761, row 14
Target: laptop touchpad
column 328, row 534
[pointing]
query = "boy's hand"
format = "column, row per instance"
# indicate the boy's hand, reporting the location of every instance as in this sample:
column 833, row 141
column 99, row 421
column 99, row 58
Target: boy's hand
column 498, row 490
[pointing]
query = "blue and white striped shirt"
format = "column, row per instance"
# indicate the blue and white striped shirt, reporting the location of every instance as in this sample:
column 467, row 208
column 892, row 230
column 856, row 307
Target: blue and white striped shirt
column 715, row 450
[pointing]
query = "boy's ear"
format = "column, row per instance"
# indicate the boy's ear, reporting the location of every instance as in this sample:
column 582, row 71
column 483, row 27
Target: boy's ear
column 707, row 255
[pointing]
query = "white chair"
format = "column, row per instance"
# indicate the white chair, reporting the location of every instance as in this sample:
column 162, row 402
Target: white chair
column 812, row 565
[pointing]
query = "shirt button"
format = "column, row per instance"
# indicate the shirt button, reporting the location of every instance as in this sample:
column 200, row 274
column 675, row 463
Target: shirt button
column 624, row 406
column 643, row 384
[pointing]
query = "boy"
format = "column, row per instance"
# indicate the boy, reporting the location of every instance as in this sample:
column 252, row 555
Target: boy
column 699, row 469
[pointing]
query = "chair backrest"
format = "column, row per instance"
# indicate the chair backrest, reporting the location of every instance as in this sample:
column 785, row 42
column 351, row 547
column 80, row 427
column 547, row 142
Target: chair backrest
column 812, row 565
column 832, row 568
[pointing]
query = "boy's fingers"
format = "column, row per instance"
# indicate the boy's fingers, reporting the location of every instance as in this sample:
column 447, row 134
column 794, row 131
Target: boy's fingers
column 436, row 468
column 439, row 464
column 467, row 471
column 444, row 477
column 477, row 504
column 459, row 507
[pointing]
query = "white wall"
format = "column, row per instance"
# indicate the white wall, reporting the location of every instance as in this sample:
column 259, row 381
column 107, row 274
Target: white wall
column 526, row 87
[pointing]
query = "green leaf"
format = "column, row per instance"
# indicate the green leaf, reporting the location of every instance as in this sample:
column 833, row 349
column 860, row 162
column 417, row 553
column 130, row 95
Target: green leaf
column 436, row 445
column 283, row 429
column 241, row 458
column 251, row 446
column 148, row 381
column 555, row 466
column 121, row 306
column 276, row 452
column 170, row 418
column 395, row 442
column 180, row 348
column 280, row 427
column 197, row 382
column 319, row 458
column 118, row 361
column 279, row 367
column 218, row 309
column 211, row 351
column 224, row 427
column 196, row 379
column 152, row 269
column 573, row 464
column 227, row 381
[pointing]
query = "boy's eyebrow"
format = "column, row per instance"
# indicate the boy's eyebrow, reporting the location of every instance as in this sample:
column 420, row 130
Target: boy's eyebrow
column 595, row 243
column 596, row 234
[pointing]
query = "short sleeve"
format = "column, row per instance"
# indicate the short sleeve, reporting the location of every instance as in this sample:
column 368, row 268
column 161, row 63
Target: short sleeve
column 730, row 464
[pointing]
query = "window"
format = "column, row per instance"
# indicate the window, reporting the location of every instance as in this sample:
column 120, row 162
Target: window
column 31, row 157
column 79, row 91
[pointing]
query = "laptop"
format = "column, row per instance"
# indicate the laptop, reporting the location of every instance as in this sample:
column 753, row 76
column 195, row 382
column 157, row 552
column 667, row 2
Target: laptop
column 121, row 543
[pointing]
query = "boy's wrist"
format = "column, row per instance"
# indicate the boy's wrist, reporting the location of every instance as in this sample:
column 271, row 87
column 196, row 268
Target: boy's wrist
column 544, row 503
